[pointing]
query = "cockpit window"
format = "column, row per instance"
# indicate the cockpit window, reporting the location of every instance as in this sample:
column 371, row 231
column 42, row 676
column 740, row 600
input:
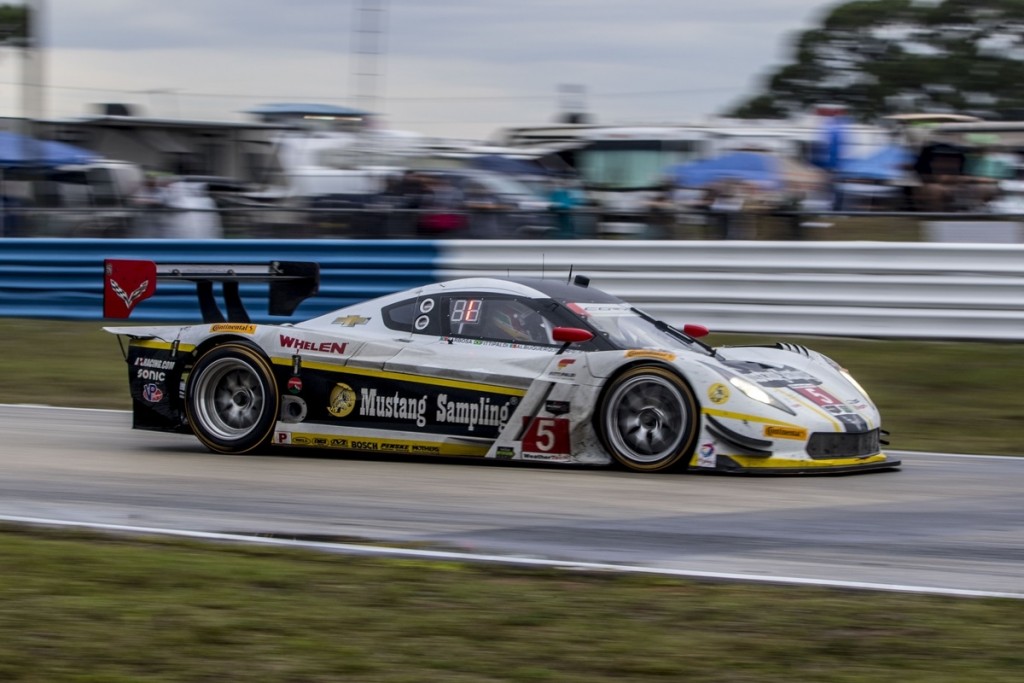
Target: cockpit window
column 624, row 327
column 500, row 319
column 414, row 315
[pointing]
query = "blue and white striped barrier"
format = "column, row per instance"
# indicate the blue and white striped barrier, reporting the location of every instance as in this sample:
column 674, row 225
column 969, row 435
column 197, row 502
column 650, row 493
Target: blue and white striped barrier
column 851, row 289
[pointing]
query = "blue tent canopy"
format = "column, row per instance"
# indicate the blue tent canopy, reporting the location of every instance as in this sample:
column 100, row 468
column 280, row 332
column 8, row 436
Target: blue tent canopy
column 20, row 151
column 756, row 167
column 887, row 163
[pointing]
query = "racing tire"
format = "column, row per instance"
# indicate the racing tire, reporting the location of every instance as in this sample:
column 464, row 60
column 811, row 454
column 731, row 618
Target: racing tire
column 231, row 399
column 648, row 419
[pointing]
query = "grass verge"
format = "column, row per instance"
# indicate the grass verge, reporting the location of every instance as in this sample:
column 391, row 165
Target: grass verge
column 79, row 607
column 941, row 396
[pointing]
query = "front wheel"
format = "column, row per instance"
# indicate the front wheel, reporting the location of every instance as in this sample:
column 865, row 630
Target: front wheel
column 648, row 419
column 231, row 399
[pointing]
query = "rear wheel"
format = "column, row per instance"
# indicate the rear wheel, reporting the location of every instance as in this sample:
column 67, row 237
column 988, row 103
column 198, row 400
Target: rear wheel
column 648, row 419
column 231, row 399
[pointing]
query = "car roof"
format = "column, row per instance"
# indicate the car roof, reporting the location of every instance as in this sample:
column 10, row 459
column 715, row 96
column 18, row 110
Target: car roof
column 532, row 287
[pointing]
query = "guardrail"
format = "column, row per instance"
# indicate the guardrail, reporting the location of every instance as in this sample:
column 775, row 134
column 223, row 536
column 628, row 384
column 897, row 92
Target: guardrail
column 852, row 289
column 63, row 278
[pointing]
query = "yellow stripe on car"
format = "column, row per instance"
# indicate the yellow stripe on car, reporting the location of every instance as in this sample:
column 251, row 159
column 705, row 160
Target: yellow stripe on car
column 746, row 461
column 406, row 377
column 161, row 345
column 748, row 418
column 371, row 444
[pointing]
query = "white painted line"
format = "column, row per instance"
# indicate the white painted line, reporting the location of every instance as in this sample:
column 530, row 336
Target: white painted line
column 956, row 455
column 382, row 551
column 38, row 406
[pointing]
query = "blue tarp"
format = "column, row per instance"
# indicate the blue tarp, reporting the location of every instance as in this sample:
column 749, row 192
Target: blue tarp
column 888, row 163
column 749, row 166
column 17, row 150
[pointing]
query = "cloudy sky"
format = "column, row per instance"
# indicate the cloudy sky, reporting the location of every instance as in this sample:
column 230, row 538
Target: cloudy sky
column 458, row 68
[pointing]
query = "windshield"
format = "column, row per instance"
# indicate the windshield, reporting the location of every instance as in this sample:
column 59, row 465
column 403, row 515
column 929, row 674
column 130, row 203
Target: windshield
column 625, row 328
column 631, row 164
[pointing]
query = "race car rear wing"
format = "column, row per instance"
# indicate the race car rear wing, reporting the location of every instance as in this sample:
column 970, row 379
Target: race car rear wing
column 127, row 282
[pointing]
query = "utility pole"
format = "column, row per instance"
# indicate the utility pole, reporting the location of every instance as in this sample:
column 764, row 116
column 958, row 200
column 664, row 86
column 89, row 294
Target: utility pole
column 32, row 74
column 368, row 45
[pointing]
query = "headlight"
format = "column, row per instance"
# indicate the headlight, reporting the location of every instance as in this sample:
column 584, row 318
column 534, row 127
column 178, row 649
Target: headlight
column 752, row 391
column 855, row 383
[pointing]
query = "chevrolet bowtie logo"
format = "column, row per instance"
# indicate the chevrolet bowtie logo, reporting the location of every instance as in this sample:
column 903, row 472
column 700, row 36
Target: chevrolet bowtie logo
column 351, row 321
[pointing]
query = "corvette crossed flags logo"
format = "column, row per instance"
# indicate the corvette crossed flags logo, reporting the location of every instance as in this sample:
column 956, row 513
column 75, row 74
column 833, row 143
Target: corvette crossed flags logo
column 125, row 284
column 129, row 299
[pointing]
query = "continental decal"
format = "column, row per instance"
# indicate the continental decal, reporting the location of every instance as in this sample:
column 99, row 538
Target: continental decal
column 648, row 353
column 777, row 432
column 336, row 348
column 240, row 328
column 718, row 393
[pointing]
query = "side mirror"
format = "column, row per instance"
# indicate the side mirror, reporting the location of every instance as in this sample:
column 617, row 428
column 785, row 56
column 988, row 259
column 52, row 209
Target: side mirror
column 570, row 335
column 695, row 331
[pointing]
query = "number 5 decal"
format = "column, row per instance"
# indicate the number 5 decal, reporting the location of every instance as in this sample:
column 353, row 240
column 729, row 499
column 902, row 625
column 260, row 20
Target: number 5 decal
column 546, row 435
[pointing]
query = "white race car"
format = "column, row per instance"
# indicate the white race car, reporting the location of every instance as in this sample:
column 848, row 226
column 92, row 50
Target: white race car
column 519, row 369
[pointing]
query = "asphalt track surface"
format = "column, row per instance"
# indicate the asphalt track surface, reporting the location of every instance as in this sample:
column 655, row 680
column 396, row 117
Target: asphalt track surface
column 944, row 522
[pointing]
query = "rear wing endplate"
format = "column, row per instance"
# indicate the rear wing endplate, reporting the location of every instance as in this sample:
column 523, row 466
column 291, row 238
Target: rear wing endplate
column 126, row 282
